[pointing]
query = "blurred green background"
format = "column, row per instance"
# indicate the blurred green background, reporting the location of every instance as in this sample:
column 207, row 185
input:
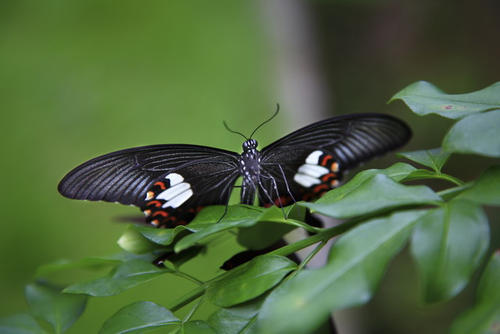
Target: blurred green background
column 83, row 78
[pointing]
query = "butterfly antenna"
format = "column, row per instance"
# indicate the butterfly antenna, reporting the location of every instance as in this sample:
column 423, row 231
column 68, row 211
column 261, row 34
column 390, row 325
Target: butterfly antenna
column 268, row 120
column 233, row 131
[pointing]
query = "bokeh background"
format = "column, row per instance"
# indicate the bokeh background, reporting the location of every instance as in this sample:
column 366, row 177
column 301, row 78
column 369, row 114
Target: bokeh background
column 82, row 78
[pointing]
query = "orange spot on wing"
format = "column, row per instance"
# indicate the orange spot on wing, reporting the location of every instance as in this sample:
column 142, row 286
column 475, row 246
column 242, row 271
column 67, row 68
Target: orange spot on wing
column 334, row 167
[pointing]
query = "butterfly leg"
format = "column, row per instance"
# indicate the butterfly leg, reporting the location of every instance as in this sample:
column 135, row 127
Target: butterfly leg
column 275, row 187
column 286, row 183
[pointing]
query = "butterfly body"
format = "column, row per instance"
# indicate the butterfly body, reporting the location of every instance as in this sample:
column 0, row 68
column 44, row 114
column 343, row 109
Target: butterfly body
column 172, row 183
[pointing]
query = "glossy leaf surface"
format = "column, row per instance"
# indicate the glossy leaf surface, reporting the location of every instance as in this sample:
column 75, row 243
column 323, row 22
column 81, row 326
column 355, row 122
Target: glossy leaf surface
column 374, row 194
column 476, row 134
column 238, row 319
column 125, row 276
column 435, row 158
column 58, row 309
column 484, row 316
column 486, row 189
column 448, row 245
column 357, row 262
column 424, row 98
column 137, row 318
column 20, row 324
column 249, row 280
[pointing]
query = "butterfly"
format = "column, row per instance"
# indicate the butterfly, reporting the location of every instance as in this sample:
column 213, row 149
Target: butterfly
column 171, row 183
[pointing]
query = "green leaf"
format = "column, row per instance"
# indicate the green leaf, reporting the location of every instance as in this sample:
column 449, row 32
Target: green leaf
column 357, row 262
column 161, row 236
column 397, row 172
column 125, row 276
column 178, row 259
column 476, row 134
column 138, row 317
column 237, row 216
column 58, row 309
column 435, row 158
column 484, row 316
column 195, row 327
column 448, row 245
column 65, row 264
column 238, row 319
column 262, row 235
column 134, row 242
column 20, row 324
column 249, row 280
column 486, row 189
column 424, row 98
column 90, row 262
column 374, row 194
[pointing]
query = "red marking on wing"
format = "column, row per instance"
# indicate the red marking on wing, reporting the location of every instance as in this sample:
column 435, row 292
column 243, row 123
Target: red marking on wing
column 160, row 184
column 161, row 213
column 327, row 177
column 324, row 161
column 155, row 203
column 320, row 187
column 282, row 201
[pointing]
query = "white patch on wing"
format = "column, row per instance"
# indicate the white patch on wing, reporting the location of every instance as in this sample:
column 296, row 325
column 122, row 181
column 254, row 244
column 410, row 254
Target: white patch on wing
column 174, row 191
column 174, row 178
column 313, row 170
column 179, row 199
column 305, row 180
column 313, row 158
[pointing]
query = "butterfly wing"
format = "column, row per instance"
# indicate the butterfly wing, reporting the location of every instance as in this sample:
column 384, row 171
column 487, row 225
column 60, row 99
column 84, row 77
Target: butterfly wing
column 310, row 161
column 169, row 182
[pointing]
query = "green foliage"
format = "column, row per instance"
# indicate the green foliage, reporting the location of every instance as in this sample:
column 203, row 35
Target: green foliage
column 475, row 134
column 448, row 246
column 249, row 280
column 60, row 310
column 137, row 317
column 449, row 235
column 485, row 315
column 424, row 98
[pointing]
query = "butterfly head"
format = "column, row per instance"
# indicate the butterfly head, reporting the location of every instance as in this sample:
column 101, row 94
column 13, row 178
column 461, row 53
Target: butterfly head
column 250, row 144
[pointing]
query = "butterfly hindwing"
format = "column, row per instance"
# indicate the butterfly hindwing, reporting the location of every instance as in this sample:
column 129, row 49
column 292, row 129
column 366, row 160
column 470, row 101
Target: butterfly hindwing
column 176, row 197
column 310, row 161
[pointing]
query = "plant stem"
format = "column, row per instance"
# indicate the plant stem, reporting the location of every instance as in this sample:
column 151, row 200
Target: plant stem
column 188, row 277
column 450, row 178
column 325, row 235
column 308, row 258
column 322, row 236
column 451, row 192
column 187, row 298
column 193, row 310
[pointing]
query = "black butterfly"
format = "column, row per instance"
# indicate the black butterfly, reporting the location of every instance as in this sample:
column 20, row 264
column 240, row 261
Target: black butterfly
column 172, row 183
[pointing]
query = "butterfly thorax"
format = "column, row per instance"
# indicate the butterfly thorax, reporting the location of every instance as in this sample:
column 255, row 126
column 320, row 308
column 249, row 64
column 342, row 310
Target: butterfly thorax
column 250, row 162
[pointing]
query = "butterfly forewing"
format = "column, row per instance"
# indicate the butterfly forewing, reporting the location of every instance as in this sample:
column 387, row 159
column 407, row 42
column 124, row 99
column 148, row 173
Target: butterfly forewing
column 201, row 176
column 310, row 161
